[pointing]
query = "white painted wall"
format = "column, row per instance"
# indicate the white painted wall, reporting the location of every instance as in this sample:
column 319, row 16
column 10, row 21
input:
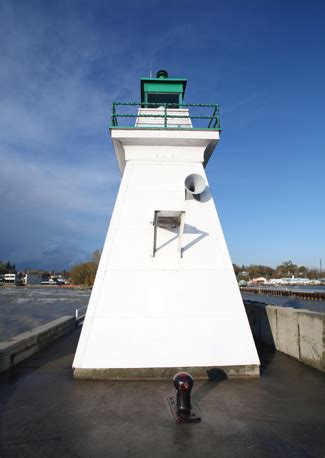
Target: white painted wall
column 141, row 305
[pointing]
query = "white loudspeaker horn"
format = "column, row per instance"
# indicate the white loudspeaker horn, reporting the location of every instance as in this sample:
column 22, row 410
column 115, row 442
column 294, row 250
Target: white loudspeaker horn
column 194, row 184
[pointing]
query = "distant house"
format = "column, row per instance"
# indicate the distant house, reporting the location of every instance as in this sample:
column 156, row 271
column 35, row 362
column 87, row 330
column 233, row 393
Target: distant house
column 21, row 278
column 9, row 278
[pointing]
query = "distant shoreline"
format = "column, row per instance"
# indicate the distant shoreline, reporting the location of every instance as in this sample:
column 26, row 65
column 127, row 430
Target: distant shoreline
column 9, row 285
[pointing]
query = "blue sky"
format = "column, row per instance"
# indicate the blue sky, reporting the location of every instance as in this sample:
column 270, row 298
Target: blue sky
column 64, row 62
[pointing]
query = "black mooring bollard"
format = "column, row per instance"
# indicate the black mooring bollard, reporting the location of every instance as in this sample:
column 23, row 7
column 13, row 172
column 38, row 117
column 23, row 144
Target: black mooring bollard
column 183, row 382
column 181, row 406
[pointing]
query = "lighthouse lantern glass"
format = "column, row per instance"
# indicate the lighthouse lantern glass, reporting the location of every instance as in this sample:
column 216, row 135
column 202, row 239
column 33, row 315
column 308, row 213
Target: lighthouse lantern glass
column 162, row 90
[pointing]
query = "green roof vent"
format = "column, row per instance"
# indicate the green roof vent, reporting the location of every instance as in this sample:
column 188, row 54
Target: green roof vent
column 158, row 91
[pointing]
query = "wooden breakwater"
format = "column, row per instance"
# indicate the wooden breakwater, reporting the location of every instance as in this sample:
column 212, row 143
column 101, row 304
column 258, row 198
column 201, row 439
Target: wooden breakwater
column 298, row 294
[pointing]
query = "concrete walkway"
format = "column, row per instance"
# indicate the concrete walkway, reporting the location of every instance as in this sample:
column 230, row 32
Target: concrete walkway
column 45, row 413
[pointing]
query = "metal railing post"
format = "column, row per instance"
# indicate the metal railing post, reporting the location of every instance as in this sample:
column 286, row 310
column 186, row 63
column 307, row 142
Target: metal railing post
column 79, row 315
column 114, row 121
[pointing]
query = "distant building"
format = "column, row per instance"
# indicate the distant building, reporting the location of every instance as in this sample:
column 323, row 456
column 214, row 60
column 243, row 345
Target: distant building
column 259, row 281
column 9, row 278
column 243, row 273
column 33, row 279
column 21, row 279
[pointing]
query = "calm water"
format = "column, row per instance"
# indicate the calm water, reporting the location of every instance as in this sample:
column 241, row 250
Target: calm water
column 21, row 309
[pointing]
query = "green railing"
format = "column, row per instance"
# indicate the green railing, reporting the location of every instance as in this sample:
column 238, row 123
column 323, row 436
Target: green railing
column 209, row 119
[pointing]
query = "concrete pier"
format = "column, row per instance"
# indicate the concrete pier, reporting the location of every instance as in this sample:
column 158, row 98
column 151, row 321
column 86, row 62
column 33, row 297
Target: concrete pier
column 298, row 333
column 44, row 412
column 23, row 345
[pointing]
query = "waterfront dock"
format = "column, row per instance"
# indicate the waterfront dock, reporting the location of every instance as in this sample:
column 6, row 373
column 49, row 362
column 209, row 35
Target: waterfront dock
column 298, row 294
column 45, row 412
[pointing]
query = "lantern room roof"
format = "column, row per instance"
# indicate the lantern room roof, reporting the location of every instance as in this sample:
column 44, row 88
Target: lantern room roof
column 162, row 84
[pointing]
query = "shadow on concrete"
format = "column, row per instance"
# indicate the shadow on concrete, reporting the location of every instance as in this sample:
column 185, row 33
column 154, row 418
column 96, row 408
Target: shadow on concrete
column 266, row 354
column 216, row 376
column 262, row 332
column 265, row 331
column 259, row 322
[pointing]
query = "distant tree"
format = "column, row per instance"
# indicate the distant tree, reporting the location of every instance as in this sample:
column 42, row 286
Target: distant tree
column 7, row 267
column 95, row 257
column 83, row 274
column 312, row 273
column 257, row 270
column 3, row 269
column 45, row 274
column 236, row 268
column 11, row 268
column 302, row 271
column 286, row 269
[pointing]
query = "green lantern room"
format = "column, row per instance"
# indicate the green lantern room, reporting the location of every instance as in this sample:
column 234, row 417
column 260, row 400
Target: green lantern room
column 158, row 91
column 162, row 106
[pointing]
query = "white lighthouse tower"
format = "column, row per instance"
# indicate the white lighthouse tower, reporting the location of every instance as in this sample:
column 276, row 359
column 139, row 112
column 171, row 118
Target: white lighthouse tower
column 165, row 296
